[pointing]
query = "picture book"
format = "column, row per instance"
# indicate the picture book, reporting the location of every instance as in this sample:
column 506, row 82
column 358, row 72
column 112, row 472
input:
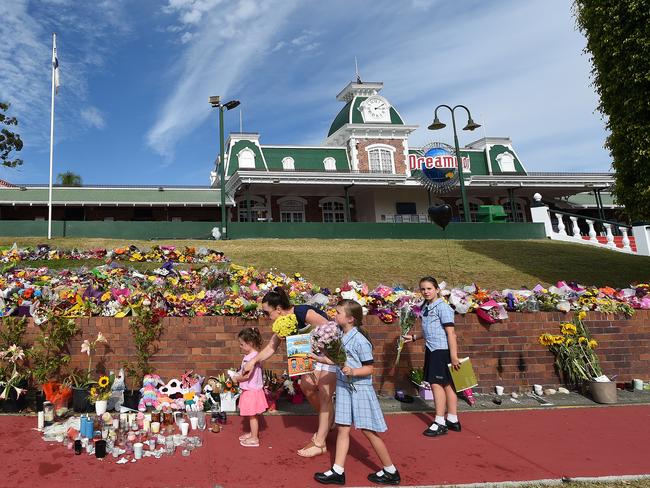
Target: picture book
column 463, row 377
column 298, row 360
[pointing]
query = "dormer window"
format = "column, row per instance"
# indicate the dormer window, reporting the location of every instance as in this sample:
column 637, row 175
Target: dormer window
column 288, row 163
column 330, row 164
column 380, row 158
column 506, row 162
column 246, row 159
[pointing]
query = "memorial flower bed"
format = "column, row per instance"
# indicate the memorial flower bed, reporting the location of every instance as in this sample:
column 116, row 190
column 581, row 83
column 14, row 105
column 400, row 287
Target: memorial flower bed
column 217, row 287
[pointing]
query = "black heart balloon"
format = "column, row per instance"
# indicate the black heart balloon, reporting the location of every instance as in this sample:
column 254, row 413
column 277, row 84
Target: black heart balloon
column 440, row 214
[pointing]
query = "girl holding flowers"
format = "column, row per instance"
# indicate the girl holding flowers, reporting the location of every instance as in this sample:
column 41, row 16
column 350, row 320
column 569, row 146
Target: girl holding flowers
column 253, row 400
column 441, row 349
column 318, row 388
column 356, row 400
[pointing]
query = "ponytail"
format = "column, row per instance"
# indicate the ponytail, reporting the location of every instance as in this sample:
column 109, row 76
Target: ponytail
column 277, row 298
column 355, row 310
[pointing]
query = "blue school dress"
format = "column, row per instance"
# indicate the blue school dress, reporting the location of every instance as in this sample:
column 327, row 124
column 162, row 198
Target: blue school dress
column 356, row 400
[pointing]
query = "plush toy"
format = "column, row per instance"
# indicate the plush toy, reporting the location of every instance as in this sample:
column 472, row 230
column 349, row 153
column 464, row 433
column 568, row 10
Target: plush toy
column 172, row 389
column 212, row 389
column 150, row 396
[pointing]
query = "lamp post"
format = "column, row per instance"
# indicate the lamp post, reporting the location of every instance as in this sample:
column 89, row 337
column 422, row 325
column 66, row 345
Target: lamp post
column 215, row 102
column 471, row 125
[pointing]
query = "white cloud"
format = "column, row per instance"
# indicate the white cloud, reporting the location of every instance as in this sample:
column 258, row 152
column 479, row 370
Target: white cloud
column 25, row 74
column 93, row 117
column 227, row 44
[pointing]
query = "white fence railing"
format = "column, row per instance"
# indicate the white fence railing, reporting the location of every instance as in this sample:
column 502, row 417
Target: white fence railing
column 582, row 230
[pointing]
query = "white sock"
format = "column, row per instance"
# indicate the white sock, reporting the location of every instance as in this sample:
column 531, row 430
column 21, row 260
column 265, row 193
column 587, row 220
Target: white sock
column 440, row 420
column 452, row 418
column 390, row 469
column 337, row 469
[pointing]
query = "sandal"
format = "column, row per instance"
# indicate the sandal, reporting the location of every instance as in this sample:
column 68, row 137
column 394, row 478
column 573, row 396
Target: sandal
column 312, row 450
column 250, row 443
column 244, row 436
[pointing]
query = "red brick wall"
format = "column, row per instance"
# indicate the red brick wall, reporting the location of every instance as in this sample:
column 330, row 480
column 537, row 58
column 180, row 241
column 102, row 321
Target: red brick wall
column 362, row 154
column 209, row 345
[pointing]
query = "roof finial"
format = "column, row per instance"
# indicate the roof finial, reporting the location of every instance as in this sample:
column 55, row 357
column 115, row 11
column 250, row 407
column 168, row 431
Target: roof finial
column 356, row 70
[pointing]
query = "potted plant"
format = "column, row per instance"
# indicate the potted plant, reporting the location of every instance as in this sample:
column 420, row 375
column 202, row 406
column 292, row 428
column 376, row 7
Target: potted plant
column 146, row 328
column 100, row 392
column 14, row 374
column 79, row 379
column 50, row 354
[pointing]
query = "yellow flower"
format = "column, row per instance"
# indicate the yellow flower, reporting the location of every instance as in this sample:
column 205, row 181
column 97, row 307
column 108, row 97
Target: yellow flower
column 569, row 341
column 558, row 339
column 568, row 329
column 285, row 325
column 93, row 391
column 546, row 339
column 582, row 315
column 583, row 340
column 592, row 344
column 103, row 382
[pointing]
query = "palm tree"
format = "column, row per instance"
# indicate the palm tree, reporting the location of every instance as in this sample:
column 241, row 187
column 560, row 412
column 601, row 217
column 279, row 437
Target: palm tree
column 68, row 179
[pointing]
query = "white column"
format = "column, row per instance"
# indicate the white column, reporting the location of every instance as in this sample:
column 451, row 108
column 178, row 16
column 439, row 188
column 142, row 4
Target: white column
column 592, row 231
column 626, row 239
column 560, row 225
column 642, row 239
column 610, row 236
column 574, row 227
column 540, row 214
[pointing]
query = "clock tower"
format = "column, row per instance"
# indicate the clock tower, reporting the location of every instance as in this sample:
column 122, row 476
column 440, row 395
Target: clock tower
column 371, row 129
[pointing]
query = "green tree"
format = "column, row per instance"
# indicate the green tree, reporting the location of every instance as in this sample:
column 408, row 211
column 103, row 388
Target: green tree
column 68, row 179
column 618, row 41
column 9, row 141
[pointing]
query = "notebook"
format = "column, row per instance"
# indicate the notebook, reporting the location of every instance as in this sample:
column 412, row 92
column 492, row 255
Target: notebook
column 463, row 377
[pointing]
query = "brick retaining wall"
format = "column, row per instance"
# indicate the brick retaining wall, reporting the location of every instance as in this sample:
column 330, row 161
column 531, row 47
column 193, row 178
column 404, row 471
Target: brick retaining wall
column 506, row 353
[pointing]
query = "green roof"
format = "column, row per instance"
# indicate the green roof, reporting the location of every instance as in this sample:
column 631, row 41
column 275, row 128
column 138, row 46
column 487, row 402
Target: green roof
column 350, row 113
column 111, row 196
column 305, row 158
column 496, row 168
column 233, row 162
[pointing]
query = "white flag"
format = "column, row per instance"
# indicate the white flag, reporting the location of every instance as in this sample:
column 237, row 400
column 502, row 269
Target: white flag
column 55, row 65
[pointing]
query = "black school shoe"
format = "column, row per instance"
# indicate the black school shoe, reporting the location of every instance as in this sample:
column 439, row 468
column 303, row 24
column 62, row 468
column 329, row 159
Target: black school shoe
column 455, row 426
column 333, row 479
column 441, row 430
column 386, row 478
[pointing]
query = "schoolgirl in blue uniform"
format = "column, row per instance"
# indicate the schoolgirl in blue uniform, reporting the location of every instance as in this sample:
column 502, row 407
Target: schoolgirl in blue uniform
column 356, row 400
column 440, row 351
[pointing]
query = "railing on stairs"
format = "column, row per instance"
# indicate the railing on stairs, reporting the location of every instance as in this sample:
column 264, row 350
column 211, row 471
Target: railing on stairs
column 566, row 226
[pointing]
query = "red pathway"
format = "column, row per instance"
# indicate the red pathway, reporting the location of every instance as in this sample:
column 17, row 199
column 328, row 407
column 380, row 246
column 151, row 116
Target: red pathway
column 493, row 446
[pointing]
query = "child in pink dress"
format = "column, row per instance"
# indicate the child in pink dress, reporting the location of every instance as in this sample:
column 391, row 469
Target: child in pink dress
column 252, row 401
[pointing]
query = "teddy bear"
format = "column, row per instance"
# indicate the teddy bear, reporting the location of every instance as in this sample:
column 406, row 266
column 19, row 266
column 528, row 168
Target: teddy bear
column 150, row 396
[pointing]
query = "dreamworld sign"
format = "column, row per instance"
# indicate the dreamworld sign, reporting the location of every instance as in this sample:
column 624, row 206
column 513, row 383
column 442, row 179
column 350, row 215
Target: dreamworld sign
column 437, row 156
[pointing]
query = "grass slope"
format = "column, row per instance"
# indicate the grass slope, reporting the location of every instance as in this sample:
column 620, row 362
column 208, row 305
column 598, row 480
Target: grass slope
column 491, row 264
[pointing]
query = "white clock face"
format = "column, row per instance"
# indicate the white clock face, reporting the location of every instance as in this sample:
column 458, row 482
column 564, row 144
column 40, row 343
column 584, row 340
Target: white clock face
column 376, row 109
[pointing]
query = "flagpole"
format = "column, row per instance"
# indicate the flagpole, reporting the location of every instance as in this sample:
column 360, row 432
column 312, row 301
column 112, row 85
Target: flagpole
column 49, row 200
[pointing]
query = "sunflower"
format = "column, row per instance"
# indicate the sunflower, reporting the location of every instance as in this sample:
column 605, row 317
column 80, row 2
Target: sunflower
column 592, row 344
column 103, row 381
column 568, row 329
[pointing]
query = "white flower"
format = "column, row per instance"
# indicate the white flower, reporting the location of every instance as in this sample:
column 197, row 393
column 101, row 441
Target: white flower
column 101, row 338
column 85, row 347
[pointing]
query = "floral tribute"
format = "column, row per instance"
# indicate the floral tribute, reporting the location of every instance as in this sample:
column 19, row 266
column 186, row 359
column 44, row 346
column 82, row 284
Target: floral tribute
column 285, row 325
column 211, row 285
column 574, row 350
column 101, row 390
column 326, row 340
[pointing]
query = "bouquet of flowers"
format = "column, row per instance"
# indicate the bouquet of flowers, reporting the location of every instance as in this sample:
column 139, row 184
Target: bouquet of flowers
column 574, row 351
column 407, row 315
column 101, row 389
column 326, row 340
column 285, row 325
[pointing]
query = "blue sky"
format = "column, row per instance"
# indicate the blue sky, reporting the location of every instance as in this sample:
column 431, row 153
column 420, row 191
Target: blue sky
column 136, row 76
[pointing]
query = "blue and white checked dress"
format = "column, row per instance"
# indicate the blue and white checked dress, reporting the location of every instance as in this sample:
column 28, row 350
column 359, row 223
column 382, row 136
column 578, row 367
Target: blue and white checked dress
column 357, row 405
column 434, row 316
